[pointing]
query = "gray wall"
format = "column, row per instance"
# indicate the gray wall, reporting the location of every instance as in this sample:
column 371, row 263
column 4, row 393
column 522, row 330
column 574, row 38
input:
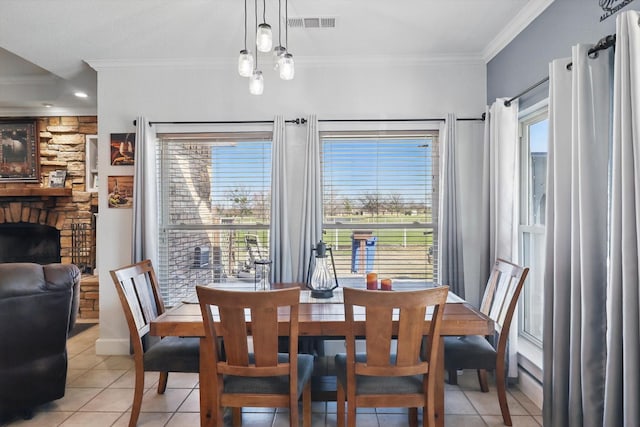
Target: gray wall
column 525, row 60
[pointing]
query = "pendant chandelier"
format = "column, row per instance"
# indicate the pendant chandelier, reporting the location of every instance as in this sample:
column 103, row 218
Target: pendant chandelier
column 248, row 64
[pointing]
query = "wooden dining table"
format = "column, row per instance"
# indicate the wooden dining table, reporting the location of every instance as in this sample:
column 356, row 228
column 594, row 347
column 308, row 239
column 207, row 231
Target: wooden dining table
column 318, row 319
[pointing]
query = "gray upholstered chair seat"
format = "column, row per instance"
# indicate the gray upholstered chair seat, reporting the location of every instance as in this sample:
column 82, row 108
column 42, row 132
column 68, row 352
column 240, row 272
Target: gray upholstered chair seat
column 375, row 385
column 271, row 385
column 469, row 352
column 173, row 354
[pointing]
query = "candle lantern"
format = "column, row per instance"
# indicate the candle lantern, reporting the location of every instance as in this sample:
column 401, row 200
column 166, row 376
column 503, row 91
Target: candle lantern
column 320, row 279
column 262, row 277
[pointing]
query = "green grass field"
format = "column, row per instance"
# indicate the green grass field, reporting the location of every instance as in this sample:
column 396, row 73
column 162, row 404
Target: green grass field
column 341, row 238
column 404, row 251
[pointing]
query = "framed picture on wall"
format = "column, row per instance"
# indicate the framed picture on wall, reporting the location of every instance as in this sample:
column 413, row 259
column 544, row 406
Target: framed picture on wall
column 120, row 191
column 123, row 146
column 19, row 156
column 56, row 178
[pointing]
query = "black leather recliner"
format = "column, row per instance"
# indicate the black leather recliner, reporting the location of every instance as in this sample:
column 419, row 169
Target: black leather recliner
column 38, row 307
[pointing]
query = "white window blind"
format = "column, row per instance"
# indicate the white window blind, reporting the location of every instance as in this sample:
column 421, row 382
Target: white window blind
column 380, row 202
column 215, row 196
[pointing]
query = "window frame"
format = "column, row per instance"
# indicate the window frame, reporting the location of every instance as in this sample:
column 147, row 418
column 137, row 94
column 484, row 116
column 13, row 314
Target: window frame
column 166, row 226
column 385, row 132
column 529, row 347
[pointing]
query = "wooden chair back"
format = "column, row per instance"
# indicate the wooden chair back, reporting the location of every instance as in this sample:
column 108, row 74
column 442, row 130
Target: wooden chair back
column 137, row 287
column 263, row 308
column 501, row 295
column 272, row 314
column 381, row 307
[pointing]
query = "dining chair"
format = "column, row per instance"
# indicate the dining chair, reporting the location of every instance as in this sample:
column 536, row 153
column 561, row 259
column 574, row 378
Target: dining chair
column 258, row 376
column 478, row 352
column 383, row 376
column 137, row 287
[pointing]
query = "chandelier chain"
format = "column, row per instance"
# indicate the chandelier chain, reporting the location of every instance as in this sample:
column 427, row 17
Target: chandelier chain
column 279, row 22
column 245, row 24
column 256, row 16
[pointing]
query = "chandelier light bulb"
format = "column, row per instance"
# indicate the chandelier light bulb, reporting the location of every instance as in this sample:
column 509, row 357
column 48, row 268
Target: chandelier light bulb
column 264, row 39
column 245, row 63
column 256, row 83
column 285, row 64
column 278, row 51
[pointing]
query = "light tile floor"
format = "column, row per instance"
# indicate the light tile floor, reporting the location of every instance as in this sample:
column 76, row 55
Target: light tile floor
column 100, row 390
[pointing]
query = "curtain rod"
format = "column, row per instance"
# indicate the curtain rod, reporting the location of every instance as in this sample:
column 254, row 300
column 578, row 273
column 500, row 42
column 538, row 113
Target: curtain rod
column 461, row 119
column 603, row 44
column 301, row 121
column 296, row 121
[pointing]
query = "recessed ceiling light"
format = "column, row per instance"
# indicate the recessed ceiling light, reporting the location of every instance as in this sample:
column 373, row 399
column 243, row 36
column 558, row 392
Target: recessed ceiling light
column 81, row 95
column 47, row 105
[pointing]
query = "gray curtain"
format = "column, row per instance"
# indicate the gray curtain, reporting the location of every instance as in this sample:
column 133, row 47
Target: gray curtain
column 622, row 392
column 575, row 273
column 498, row 236
column 311, row 215
column 450, row 262
column 499, row 189
column 279, row 242
column 145, row 196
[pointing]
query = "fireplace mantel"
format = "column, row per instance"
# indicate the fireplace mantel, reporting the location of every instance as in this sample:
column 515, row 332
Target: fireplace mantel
column 35, row 192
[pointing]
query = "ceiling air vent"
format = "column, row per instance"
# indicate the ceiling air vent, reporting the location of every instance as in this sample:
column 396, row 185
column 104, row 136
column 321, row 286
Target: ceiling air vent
column 313, row 22
column 327, row 22
column 296, row 23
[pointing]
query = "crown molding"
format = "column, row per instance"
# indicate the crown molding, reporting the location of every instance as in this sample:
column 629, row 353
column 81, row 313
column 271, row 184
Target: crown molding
column 303, row 61
column 350, row 60
column 189, row 63
column 29, row 80
column 528, row 13
column 46, row 112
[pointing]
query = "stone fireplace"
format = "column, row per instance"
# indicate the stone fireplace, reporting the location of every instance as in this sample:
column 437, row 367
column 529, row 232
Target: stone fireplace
column 37, row 222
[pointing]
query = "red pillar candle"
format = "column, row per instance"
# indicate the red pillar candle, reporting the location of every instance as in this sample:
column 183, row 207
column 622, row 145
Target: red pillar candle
column 385, row 284
column 372, row 281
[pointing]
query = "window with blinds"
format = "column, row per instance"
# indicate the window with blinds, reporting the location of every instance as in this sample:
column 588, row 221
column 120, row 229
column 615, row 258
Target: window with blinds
column 215, row 198
column 380, row 194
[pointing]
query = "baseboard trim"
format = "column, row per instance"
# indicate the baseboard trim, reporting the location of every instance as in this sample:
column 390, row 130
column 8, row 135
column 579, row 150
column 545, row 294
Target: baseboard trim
column 112, row 346
column 530, row 387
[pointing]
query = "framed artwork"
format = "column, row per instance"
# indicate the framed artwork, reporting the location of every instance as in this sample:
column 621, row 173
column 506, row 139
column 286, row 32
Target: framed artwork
column 120, row 191
column 19, row 156
column 123, row 146
column 56, row 178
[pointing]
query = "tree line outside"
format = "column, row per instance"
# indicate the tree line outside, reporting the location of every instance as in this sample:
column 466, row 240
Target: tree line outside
column 245, row 203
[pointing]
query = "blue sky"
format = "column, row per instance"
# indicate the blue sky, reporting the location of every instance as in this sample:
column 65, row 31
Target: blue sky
column 358, row 166
column 539, row 136
column 400, row 166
